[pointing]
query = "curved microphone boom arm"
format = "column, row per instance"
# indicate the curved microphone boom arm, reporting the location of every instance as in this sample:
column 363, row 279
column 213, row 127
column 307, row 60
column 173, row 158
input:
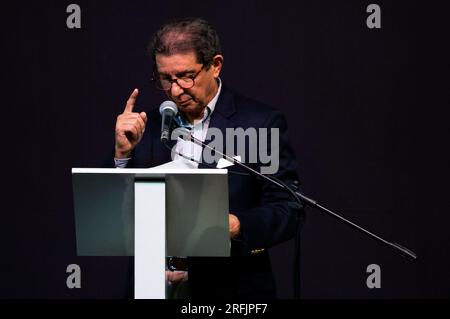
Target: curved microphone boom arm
column 302, row 198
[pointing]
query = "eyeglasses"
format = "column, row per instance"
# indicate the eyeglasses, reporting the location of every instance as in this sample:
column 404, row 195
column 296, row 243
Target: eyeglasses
column 185, row 82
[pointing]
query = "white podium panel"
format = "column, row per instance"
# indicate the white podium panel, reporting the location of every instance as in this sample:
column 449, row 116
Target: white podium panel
column 150, row 227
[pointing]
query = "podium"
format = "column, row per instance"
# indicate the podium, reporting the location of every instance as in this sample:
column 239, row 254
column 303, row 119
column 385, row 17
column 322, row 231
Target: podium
column 150, row 214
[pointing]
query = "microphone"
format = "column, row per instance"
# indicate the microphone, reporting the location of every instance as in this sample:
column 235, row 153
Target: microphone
column 168, row 110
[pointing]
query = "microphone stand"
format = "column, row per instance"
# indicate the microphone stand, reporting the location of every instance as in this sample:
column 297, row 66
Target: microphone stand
column 300, row 198
column 311, row 202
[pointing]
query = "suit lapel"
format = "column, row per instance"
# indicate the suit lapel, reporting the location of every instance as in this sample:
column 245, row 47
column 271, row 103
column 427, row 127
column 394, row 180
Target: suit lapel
column 221, row 117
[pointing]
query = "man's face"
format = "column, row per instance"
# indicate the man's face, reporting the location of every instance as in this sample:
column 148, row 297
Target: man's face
column 190, row 101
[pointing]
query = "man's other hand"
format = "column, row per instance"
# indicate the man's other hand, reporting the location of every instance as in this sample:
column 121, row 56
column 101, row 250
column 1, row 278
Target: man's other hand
column 234, row 225
column 176, row 276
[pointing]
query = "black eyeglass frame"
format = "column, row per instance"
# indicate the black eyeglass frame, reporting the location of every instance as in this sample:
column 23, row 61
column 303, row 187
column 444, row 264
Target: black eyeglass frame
column 156, row 80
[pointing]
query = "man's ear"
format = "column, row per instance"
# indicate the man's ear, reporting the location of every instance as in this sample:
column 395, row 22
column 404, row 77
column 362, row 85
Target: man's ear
column 217, row 65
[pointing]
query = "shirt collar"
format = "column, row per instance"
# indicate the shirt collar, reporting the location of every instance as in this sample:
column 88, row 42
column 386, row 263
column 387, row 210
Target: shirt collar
column 212, row 104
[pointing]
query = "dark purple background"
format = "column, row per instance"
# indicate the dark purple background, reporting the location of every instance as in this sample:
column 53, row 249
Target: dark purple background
column 367, row 109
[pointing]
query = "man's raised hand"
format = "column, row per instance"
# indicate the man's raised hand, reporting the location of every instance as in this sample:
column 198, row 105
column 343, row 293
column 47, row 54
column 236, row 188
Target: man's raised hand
column 130, row 127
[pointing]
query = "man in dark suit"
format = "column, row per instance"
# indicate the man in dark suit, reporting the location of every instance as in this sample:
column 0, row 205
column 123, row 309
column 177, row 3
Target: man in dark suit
column 188, row 62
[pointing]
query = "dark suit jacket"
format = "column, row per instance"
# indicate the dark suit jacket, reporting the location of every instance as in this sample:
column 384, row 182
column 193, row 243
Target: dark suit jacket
column 262, row 208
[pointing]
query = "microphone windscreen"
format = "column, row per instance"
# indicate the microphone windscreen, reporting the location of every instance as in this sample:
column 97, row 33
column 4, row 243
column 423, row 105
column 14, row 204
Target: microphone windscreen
column 168, row 105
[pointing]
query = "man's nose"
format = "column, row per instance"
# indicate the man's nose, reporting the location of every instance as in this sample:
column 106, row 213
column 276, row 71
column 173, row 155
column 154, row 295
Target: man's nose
column 176, row 89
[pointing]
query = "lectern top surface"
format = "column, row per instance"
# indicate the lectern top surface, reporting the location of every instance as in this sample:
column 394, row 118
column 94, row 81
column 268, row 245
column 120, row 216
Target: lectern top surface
column 142, row 172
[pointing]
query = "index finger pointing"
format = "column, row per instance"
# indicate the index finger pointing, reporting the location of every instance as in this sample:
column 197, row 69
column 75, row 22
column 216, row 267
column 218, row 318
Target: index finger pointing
column 131, row 101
